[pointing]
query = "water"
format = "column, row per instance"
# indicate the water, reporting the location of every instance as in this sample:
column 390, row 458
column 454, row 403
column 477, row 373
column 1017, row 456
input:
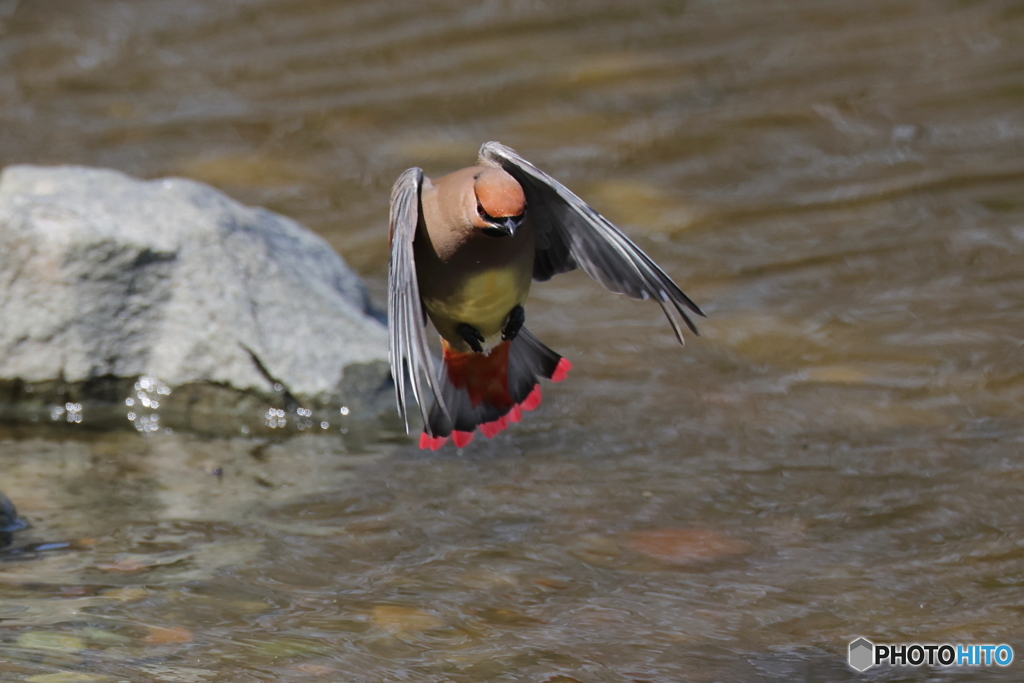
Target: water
column 837, row 183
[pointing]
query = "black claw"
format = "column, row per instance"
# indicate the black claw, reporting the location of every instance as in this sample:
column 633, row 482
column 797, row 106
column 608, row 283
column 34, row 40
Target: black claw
column 471, row 336
column 516, row 318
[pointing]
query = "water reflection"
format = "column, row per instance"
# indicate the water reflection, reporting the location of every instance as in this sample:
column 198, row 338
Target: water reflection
column 836, row 182
column 301, row 557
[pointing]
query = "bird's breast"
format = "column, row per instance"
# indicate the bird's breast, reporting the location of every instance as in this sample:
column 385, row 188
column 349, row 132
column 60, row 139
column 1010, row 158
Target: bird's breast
column 481, row 299
column 478, row 282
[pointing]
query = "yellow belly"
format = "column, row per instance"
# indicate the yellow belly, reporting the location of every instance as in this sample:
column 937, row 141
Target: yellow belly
column 483, row 301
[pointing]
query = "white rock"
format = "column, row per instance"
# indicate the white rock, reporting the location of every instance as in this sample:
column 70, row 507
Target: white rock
column 103, row 275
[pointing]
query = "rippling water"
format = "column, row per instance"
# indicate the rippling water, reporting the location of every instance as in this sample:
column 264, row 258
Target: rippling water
column 840, row 184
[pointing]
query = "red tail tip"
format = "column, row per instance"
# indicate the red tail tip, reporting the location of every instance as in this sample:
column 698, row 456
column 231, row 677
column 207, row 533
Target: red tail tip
column 490, row 429
column 461, row 439
column 561, row 370
column 533, row 400
column 431, row 442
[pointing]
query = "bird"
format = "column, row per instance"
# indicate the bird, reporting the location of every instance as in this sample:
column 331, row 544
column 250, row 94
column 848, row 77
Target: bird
column 464, row 250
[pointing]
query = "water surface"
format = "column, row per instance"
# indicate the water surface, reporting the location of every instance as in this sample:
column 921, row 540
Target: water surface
column 839, row 183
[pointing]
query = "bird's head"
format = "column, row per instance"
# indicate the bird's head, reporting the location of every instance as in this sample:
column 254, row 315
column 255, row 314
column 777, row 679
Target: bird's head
column 500, row 203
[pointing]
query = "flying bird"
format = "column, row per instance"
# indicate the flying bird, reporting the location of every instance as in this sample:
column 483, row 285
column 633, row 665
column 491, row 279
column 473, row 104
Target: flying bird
column 464, row 250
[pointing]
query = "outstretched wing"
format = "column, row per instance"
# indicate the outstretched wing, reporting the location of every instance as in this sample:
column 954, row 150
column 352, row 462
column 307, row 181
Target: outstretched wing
column 570, row 234
column 407, row 340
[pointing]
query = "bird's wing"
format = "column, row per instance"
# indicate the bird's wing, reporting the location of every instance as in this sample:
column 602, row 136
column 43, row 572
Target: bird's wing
column 571, row 234
column 407, row 339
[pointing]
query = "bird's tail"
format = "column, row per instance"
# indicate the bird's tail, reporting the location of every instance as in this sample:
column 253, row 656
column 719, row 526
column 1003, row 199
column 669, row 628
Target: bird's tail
column 490, row 390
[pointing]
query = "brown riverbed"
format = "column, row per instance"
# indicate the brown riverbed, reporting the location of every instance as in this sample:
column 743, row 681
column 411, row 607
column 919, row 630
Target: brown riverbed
column 839, row 183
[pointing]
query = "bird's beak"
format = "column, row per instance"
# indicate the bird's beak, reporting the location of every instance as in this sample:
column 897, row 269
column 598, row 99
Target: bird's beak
column 505, row 226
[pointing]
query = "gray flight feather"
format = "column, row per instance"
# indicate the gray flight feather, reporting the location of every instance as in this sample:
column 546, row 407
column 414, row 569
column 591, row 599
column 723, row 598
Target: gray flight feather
column 408, row 352
column 571, row 234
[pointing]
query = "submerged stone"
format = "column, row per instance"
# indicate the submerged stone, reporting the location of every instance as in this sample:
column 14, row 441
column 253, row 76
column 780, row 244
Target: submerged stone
column 9, row 520
column 686, row 545
column 165, row 303
column 399, row 618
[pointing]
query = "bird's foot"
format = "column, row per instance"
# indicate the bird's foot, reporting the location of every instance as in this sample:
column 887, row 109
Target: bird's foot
column 471, row 336
column 514, row 323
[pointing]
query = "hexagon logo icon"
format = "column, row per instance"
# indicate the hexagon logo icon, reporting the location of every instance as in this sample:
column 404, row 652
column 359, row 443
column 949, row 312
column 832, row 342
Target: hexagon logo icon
column 862, row 653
